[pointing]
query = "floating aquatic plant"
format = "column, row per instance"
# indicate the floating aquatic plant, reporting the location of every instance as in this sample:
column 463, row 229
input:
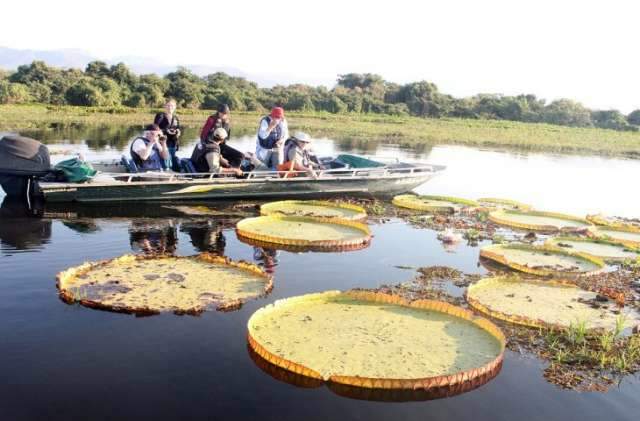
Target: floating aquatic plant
column 152, row 284
column 508, row 204
column 303, row 233
column 555, row 304
column 434, row 204
column 548, row 222
column 314, row 208
column 605, row 249
column 370, row 340
column 542, row 260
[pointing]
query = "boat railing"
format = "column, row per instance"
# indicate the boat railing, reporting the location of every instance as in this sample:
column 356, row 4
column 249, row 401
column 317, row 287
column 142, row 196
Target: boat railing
column 335, row 173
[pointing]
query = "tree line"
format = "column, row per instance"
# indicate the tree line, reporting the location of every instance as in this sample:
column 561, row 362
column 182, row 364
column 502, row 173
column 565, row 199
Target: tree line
column 116, row 85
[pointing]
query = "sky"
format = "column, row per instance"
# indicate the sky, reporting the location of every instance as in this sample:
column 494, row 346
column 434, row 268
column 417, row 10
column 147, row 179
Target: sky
column 588, row 51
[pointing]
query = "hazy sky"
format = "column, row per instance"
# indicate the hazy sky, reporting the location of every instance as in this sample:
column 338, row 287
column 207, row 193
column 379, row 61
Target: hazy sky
column 584, row 50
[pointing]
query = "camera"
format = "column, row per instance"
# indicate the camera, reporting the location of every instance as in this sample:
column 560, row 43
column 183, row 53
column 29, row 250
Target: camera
column 162, row 137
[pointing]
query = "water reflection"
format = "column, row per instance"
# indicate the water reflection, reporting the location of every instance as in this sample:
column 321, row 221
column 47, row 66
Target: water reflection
column 153, row 236
column 267, row 258
column 206, row 235
column 371, row 394
column 21, row 228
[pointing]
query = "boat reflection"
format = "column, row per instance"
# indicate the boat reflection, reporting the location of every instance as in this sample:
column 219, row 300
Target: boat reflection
column 206, row 235
column 21, row 227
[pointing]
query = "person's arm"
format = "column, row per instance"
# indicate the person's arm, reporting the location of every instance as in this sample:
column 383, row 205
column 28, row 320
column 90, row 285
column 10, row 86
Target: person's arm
column 206, row 129
column 143, row 150
column 178, row 130
column 264, row 130
column 163, row 150
column 285, row 130
column 213, row 161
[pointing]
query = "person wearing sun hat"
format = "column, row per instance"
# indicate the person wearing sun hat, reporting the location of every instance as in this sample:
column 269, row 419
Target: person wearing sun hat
column 297, row 156
column 272, row 133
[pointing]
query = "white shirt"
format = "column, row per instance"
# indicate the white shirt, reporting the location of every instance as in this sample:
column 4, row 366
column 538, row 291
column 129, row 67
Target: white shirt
column 262, row 131
column 140, row 147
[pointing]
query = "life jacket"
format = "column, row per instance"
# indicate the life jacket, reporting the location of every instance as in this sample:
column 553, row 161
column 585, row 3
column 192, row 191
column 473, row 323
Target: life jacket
column 198, row 156
column 165, row 124
column 213, row 122
column 292, row 144
column 276, row 134
column 153, row 163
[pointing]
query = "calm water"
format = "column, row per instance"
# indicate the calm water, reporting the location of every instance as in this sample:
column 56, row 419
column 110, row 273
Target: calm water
column 69, row 362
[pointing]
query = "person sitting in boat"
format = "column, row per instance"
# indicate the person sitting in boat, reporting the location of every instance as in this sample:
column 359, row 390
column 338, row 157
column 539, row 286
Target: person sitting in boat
column 206, row 156
column 272, row 133
column 222, row 119
column 298, row 156
column 170, row 126
column 150, row 150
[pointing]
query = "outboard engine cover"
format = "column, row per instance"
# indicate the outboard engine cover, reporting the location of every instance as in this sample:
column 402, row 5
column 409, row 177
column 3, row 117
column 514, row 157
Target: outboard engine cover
column 22, row 160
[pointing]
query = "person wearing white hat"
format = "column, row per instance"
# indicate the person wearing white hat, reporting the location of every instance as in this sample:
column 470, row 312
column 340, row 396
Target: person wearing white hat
column 297, row 156
column 206, row 156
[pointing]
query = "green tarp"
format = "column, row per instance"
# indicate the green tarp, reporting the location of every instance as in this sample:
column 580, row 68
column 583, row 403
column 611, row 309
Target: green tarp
column 354, row 161
column 75, row 170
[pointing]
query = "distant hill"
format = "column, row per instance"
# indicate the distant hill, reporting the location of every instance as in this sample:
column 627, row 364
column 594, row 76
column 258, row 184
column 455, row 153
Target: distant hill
column 11, row 58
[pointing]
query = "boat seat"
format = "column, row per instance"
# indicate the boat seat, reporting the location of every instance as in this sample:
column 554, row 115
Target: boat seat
column 129, row 164
column 186, row 166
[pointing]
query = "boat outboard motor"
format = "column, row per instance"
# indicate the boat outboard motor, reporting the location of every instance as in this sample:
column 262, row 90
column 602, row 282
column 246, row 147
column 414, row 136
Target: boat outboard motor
column 22, row 161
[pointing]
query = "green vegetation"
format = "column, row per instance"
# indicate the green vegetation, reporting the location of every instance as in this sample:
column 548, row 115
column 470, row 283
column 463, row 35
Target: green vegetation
column 358, row 129
column 610, row 350
column 117, row 86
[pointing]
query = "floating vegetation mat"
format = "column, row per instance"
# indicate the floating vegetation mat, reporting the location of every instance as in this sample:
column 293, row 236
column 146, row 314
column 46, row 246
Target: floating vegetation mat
column 304, row 232
column 542, row 260
column 492, row 202
column 377, row 341
column 607, row 250
column 153, row 284
column 314, row 208
column 613, row 221
column 546, row 304
column 435, row 204
column 538, row 221
column 629, row 236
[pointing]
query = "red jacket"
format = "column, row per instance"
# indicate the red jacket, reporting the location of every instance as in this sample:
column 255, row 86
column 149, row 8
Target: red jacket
column 213, row 122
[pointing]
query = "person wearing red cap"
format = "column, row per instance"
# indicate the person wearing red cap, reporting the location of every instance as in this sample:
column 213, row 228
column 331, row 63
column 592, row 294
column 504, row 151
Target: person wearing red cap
column 272, row 133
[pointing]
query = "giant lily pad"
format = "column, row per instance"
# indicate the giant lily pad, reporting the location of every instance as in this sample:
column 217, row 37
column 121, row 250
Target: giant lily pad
column 304, row 232
column 545, row 304
column 435, row 204
column 154, row 284
column 508, row 204
column 613, row 221
column 314, row 208
column 629, row 236
column 376, row 341
column 539, row 221
column 541, row 260
column 607, row 250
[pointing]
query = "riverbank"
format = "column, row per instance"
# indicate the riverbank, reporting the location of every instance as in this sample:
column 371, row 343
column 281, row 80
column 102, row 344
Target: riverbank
column 410, row 131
